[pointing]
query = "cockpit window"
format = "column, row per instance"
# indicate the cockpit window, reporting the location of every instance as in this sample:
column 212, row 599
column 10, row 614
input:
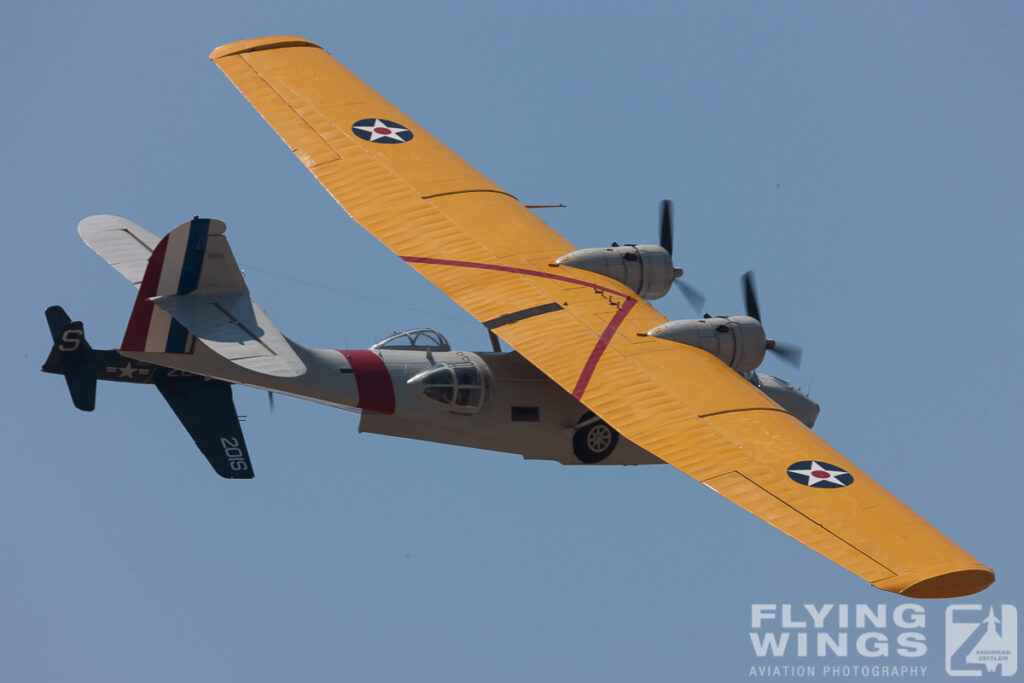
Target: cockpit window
column 467, row 374
column 443, row 377
column 468, row 397
column 420, row 339
column 460, row 387
column 439, row 394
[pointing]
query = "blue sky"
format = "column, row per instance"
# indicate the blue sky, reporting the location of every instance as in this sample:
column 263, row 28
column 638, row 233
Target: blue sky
column 864, row 159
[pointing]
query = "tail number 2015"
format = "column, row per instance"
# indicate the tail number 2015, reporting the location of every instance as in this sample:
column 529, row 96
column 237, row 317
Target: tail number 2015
column 235, row 455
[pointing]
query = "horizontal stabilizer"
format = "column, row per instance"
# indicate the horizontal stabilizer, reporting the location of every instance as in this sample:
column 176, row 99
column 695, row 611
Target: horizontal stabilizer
column 71, row 356
column 235, row 327
column 121, row 243
column 57, row 320
column 193, row 285
column 207, row 411
column 203, row 405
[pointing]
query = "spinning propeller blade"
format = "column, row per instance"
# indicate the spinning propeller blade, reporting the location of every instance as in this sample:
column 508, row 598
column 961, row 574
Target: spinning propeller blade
column 750, row 296
column 789, row 353
column 666, row 225
column 692, row 294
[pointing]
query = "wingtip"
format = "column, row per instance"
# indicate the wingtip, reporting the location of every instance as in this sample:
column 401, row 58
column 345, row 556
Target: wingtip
column 255, row 44
column 952, row 582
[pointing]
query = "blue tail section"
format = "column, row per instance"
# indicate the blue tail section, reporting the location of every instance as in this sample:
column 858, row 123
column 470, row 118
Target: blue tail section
column 203, row 405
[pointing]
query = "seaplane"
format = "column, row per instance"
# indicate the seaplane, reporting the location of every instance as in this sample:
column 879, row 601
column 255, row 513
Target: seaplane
column 596, row 376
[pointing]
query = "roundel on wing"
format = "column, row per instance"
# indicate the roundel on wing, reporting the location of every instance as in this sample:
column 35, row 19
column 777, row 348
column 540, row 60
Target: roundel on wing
column 818, row 474
column 381, row 130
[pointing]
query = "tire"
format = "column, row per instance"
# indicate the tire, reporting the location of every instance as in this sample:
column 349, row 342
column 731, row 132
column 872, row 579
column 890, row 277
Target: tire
column 594, row 441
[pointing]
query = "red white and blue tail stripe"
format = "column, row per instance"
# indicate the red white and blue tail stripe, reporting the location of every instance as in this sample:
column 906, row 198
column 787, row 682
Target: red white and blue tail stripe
column 173, row 269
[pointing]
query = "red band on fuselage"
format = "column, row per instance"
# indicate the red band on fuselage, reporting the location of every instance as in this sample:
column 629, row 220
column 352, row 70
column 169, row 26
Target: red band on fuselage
column 373, row 382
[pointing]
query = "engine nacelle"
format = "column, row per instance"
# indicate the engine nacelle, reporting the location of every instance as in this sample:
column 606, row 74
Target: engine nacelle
column 645, row 268
column 738, row 340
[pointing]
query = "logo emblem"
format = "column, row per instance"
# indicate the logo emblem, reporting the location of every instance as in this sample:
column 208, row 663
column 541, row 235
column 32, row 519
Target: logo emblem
column 980, row 641
column 381, row 130
column 820, row 475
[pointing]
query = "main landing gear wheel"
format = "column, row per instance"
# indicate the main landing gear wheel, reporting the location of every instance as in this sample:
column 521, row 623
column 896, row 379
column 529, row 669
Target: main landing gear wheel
column 594, row 439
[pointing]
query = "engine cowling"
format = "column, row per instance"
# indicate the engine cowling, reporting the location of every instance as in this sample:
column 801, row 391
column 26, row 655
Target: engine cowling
column 645, row 268
column 738, row 340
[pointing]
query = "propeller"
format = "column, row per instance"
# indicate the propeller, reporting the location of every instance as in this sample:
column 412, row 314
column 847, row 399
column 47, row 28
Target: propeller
column 791, row 353
column 692, row 294
column 666, row 225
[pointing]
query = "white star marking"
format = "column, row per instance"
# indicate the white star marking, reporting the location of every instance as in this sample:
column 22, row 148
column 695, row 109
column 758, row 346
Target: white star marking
column 128, row 371
column 379, row 130
column 813, row 479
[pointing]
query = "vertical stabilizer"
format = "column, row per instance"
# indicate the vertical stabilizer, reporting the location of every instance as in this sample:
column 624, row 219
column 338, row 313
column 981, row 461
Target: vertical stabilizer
column 193, row 289
column 173, row 269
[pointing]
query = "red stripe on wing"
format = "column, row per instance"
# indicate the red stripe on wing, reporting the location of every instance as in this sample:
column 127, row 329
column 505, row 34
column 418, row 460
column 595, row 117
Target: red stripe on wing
column 602, row 342
column 510, row 269
column 600, row 346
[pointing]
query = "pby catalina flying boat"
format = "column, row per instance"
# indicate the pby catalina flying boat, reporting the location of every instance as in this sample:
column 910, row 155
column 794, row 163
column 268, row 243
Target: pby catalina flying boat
column 597, row 375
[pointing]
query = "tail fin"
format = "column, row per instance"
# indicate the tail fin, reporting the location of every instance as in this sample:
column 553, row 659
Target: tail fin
column 71, row 357
column 173, row 268
column 193, row 289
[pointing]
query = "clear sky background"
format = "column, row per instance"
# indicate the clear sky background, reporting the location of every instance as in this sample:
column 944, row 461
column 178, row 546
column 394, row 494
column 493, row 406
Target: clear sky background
column 865, row 159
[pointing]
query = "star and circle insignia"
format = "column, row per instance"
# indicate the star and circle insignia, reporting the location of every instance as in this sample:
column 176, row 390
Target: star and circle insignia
column 381, row 130
column 819, row 475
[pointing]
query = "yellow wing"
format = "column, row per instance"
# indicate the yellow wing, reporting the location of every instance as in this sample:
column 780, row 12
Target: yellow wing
column 480, row 246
